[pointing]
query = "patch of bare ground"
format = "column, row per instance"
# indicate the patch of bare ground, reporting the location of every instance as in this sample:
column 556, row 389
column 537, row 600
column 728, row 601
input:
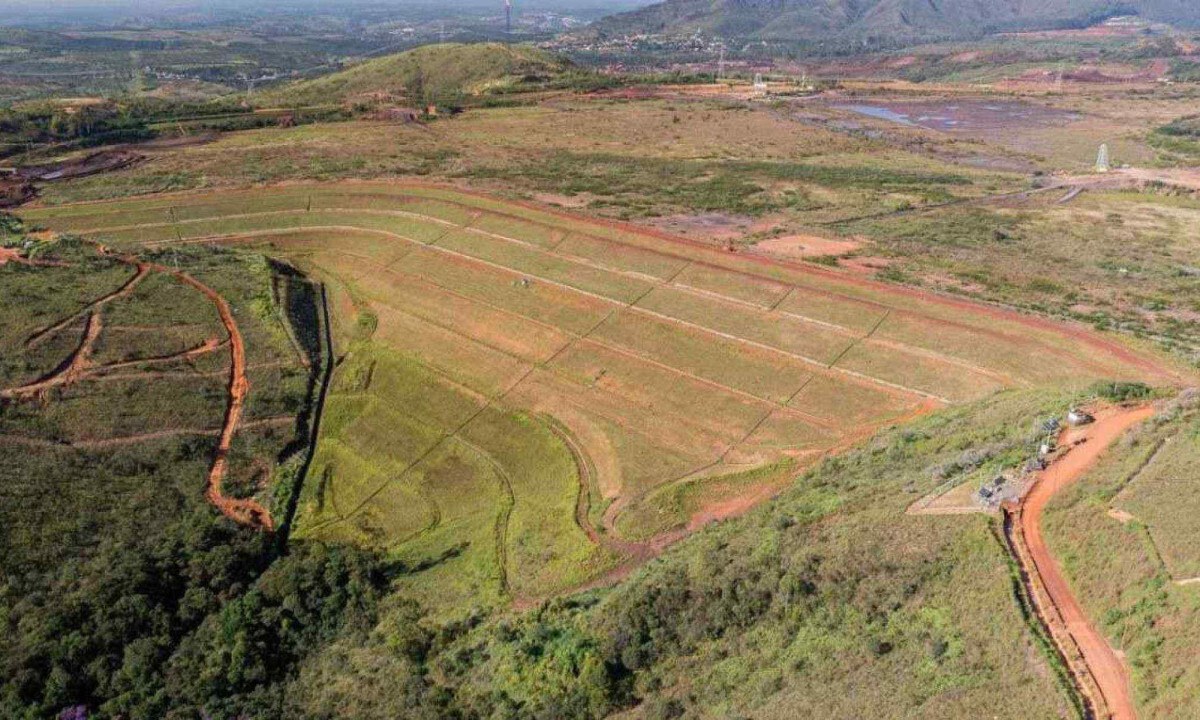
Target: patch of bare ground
column 808, row 246
column 706, row 226
column 570, row 202
column 9, row 255
column 865, row 264
column 14, row 256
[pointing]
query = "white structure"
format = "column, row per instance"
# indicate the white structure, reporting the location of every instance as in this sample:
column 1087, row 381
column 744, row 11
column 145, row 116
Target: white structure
column 759, row 84
column 1078, row 417
column 1103, row 163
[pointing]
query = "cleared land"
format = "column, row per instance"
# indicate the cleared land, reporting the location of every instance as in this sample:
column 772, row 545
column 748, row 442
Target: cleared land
column 678, row 376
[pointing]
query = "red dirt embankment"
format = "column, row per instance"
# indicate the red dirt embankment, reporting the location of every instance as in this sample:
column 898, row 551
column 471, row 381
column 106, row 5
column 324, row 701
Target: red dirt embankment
column 1103, row 672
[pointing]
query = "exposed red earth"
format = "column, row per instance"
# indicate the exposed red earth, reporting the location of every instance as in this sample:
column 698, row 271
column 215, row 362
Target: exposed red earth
column 12, row 255
column 1099, row 670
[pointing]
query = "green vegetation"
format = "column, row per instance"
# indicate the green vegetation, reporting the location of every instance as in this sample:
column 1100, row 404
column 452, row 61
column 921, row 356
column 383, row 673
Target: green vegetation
column 830, row 602
column 842, row 26
column 122, row 590
column 444, row 75
column 1131, row 278
column 672, row 506
column 1178, row 140
column 510, row 421
column 651, row 186
column 413, row 466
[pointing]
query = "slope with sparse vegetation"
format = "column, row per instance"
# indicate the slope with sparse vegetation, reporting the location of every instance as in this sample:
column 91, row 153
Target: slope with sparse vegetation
column 432, row 74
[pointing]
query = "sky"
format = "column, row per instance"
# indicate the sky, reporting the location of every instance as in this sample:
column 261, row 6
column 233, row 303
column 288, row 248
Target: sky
column 48, row 13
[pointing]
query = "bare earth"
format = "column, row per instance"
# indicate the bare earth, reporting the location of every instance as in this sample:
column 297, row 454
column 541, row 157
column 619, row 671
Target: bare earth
column 1106, row 667
column 807, row 246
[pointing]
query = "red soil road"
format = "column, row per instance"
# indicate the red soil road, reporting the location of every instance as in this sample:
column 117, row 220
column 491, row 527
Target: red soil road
column 1107, row 668
column 74, row 369
column 244, row 511
column 12, row 255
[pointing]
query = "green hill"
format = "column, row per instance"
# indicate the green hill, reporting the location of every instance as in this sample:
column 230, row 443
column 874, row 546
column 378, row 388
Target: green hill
column 432, row 73
column 894, row 22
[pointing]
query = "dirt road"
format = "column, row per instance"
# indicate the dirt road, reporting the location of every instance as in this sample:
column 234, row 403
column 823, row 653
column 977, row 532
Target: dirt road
column 1107, row 669
column 245, row 511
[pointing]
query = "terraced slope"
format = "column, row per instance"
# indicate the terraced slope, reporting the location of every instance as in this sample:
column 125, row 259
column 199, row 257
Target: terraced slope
column 530, row 401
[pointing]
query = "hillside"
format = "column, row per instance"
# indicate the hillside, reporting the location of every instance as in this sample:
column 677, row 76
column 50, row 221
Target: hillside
column 829, row 603
column 897, row 20
column 432, row 73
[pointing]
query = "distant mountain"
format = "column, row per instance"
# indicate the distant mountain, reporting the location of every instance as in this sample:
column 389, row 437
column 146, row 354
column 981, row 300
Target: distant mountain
column 885, row 21
column 432, row 73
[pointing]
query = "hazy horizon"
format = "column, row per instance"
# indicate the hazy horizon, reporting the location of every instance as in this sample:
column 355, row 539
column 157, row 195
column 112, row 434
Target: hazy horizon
column 39, row 13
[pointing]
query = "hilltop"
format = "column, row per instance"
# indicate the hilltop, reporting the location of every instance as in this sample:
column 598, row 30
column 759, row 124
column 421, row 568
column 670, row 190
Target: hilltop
column 898, row 21
column 432, row 73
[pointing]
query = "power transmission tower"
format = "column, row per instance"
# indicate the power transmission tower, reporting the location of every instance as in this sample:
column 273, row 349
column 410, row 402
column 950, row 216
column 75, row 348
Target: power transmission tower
column 508, row 16
column 721, row 64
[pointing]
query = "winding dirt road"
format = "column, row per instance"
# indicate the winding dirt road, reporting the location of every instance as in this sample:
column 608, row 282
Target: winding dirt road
column 78, row 366
column 246, row 511
column 1107, row 669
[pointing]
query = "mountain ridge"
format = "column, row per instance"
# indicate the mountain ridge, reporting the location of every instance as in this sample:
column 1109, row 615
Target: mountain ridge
column 887, row 20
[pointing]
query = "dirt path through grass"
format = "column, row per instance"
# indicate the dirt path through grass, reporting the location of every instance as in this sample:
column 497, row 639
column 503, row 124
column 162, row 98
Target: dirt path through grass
column 71, row 369
column 245, row 511
column 1106, row 668
column 78, row 366
column 91, row 307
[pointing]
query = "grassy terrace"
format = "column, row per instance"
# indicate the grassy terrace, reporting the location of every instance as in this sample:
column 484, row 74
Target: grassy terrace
column 527, row 396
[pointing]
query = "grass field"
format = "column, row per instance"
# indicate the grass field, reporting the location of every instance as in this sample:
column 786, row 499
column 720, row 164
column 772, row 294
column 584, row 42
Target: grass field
column 1162, row 497
column 526, row 393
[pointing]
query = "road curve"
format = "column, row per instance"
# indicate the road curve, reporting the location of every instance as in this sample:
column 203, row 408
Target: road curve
column 1106, row 667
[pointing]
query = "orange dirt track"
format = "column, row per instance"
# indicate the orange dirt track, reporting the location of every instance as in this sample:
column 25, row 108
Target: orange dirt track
column 1107, row 669
column 244, row 511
